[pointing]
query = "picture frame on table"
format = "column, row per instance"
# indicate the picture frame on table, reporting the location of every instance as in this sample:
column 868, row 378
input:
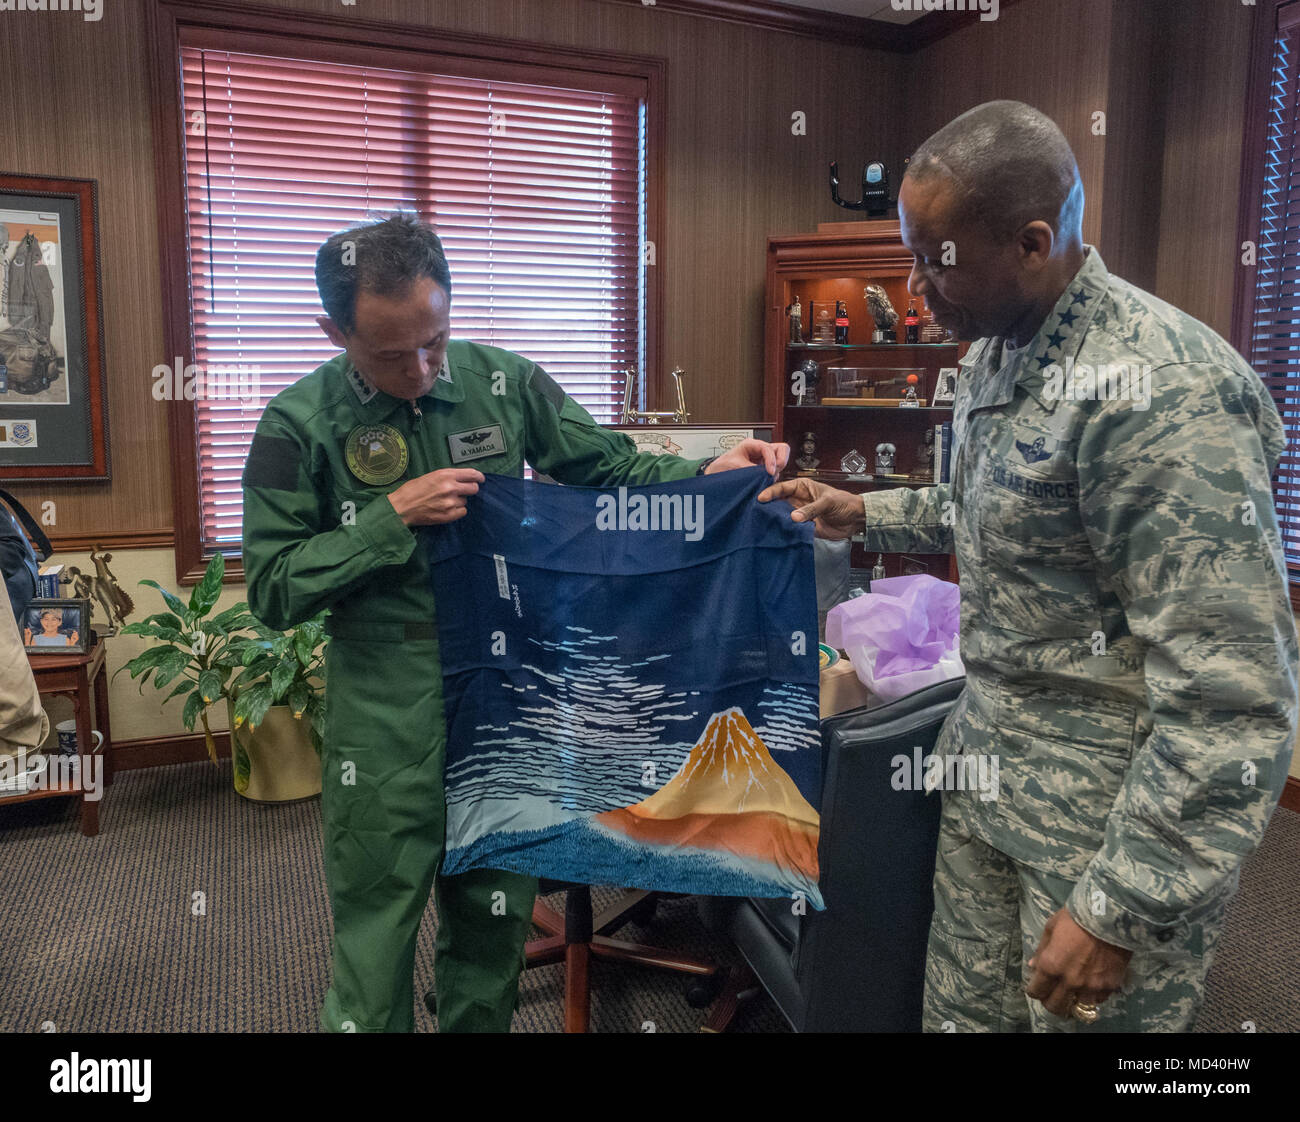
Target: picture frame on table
column 56, row 627
column 945, row 390
column 53, row 389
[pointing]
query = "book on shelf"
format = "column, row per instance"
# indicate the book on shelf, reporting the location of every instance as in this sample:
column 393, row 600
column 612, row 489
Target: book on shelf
column 47, row 581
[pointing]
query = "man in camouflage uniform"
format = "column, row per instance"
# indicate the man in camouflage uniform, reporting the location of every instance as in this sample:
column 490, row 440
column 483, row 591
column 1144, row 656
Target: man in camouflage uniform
column 1129, row 645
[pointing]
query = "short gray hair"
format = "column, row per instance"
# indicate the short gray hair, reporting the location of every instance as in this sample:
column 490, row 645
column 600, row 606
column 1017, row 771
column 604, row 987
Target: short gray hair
column 1013, row 166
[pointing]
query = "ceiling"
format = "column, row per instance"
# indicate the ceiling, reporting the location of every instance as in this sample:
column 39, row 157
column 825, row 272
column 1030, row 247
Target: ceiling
column 864, row 9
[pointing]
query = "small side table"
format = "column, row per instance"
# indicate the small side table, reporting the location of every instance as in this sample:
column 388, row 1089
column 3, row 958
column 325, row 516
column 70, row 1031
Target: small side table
column 74, row 676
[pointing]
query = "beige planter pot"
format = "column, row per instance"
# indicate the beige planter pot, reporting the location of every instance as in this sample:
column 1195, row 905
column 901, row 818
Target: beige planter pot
column 275, row 763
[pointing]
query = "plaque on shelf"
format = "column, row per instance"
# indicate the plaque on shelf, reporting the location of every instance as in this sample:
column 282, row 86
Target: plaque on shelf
column 946, row 388
column 822, row 317
column 869, row 402
column 885, row 453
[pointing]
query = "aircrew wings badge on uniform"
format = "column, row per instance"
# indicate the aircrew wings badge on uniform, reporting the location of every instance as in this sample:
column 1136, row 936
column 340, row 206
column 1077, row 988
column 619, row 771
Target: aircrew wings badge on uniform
column 474, row 444
column 1033, row 452
column 376, row 454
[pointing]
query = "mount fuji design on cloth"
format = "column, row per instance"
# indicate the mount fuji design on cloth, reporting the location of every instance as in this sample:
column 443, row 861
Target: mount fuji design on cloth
column 627, row 705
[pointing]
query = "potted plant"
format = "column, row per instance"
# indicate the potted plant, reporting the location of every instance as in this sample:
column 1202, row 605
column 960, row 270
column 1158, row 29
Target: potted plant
column 269, row 680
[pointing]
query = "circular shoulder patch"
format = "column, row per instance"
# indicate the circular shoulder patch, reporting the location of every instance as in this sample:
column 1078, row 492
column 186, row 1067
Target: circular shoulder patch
column 376, row 454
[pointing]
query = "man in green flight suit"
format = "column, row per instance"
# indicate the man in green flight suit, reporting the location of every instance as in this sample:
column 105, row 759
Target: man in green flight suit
column 1129, row 645
column 391, row 435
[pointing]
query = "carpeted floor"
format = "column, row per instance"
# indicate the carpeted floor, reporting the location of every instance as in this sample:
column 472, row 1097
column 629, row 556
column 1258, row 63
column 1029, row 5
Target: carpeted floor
column 195, row 911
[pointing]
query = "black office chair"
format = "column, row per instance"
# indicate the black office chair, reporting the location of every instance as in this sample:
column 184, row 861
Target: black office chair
column 858, row 966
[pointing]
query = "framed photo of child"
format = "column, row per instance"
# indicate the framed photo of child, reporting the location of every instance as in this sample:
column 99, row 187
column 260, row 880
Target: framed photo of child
column 56, row 626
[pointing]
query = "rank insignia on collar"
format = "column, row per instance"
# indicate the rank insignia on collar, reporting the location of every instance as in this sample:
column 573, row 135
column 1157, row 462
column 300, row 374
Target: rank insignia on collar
column 376, row 454
column 1033, row 452
column 363, row 389
column 444, row 372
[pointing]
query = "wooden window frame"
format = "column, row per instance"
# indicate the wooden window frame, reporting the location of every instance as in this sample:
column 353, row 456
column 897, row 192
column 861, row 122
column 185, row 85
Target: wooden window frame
column 335, row 38
column 1251, row 199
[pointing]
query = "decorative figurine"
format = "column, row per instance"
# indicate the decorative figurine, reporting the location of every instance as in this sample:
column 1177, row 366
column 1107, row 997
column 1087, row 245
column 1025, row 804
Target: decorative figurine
column 795, row 312
column 805, row 379
column 854, row 463
column 808, row 461
column 885, row 459
column 882, row 311
column 109, row 593
column 878, row 572
column 925, row 456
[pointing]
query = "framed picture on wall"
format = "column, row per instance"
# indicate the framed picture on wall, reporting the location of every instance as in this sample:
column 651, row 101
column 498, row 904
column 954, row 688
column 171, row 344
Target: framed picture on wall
column 53, row 401
column 692, row 442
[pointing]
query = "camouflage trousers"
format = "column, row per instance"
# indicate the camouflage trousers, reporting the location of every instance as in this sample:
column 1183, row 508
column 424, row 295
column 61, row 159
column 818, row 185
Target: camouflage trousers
column 989, row 915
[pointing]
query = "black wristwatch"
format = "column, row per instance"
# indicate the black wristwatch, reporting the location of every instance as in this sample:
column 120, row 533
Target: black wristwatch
column 705, row 466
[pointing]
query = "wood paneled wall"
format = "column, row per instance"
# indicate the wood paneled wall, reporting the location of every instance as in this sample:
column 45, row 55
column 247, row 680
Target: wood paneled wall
column 1161, row 185
column 735, row 173
column 1052, row 54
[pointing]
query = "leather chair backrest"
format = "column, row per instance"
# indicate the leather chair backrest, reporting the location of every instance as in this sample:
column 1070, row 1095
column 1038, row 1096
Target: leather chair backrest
column 861, row 962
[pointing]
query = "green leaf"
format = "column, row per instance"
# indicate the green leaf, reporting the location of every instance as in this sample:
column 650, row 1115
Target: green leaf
column 181, row 687
column 255, row 671
column 164, row 619
column 299, row 698
column 193, row 707
column 282, row 676
column 173, row 601
column 253, row 651
column 252, row 705
column 232, row 617
column 208, row 590
column 173, row 662
column 210, row 686
column 146, row 662
column 154, row 631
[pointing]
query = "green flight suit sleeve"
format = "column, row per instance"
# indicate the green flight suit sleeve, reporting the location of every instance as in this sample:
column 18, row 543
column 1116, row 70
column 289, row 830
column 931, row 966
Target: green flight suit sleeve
column 562, row 440
column 299, row 556
column 1178, row 504
column 909, row 520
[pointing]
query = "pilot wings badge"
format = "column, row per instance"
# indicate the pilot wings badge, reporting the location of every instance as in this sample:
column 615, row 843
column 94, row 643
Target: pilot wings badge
column 1033, row 452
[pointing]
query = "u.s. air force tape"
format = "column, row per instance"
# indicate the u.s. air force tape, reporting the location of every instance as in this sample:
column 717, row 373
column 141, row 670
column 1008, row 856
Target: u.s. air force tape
column 272, row 463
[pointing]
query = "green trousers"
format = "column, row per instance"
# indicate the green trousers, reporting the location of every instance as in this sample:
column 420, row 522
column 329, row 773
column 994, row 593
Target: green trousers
column 989, row 915
column 384, row 819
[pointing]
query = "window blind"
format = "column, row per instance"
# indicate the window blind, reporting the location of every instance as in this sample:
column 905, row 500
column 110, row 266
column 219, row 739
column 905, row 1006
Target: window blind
column 1273, row 344
column 537, row 193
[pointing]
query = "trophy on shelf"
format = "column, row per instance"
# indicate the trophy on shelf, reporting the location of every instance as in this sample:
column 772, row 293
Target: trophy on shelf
column 882, row 311
column 823, row 321
column 803, row 382
column 854, row 464
column 885, row 453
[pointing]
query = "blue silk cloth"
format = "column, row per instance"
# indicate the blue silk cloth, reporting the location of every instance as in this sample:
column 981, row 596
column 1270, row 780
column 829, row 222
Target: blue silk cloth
column 631, row 686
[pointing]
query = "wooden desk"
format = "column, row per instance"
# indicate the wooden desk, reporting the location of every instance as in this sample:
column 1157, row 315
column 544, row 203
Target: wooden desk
column 74, row 676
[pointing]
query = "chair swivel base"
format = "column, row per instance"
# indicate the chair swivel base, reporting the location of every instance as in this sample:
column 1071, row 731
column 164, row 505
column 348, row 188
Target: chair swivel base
column 577, row 936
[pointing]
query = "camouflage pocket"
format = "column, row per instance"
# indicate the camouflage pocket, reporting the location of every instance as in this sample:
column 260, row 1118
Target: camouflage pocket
column 1041, row 589
column 1057, row 796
